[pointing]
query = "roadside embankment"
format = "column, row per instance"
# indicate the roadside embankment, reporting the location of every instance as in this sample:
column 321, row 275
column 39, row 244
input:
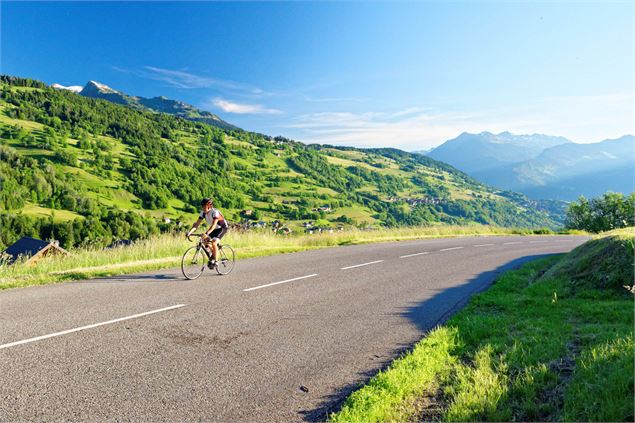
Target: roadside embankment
column 552, row 341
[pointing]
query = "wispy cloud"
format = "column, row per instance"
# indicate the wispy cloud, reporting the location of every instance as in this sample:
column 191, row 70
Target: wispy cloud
column 187, row 80
column 243, row 108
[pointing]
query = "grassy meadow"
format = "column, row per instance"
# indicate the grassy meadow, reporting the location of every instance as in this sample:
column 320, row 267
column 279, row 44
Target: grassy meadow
column 165, row 251
column 552, row 341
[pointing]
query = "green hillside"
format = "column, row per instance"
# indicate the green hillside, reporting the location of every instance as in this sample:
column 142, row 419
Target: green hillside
column 85, row 170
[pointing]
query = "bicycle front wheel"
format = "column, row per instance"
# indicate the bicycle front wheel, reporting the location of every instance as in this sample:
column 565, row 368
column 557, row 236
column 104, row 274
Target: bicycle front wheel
column 193, row 262
column 226, row 260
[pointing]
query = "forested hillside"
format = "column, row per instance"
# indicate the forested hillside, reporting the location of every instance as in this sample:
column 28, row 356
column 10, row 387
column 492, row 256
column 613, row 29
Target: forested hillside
column 85, row 170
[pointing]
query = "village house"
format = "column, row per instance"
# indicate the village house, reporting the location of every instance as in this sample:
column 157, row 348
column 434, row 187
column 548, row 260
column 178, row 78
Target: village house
column 33, row 249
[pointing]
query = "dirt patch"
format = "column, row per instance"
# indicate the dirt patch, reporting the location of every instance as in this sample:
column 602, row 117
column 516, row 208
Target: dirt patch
column 188, row 337
column 429, row 407
column 563, row 367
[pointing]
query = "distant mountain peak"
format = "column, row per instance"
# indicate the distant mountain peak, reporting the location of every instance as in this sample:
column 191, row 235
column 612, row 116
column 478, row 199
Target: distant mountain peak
column 102, row 88
column 486, row 150
column 542, row 166
column 161, row 104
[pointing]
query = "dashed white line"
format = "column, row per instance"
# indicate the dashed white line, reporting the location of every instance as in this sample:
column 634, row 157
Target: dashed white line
column 449, row 249
column 66, row 332
column 511, row 243
column 360, row 265
column 415, row 254
column 278, row 283
column 536, row 242
column 483, row 245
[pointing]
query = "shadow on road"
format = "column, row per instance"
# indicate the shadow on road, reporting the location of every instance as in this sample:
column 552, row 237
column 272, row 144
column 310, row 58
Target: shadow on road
column 425, row 315
column 128, row 278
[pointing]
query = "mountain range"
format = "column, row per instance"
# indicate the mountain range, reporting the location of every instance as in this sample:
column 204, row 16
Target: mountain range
column 542, row 166
column 161, row 104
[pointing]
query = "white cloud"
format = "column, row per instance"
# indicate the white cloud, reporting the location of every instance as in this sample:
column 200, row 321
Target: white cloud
column 242, row 108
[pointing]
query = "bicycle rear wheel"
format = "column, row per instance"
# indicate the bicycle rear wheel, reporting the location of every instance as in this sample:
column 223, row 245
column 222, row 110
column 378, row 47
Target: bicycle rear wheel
column 226, row 260
column 193, row 262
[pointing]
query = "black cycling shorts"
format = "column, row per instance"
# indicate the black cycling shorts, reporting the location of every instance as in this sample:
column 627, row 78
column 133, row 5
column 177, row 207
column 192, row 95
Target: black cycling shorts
column 218, row 233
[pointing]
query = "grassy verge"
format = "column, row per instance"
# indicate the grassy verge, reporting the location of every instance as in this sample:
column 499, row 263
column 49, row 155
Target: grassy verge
column 165, row 251
column 551, row 341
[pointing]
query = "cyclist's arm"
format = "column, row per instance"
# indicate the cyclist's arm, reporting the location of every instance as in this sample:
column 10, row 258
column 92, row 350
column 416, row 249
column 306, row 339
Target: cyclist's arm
column 195, row 226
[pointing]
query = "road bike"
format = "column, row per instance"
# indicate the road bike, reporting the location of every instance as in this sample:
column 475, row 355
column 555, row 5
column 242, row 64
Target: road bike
column 198, row 257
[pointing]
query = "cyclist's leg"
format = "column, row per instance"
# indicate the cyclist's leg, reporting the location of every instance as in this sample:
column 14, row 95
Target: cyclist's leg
column 216, row 235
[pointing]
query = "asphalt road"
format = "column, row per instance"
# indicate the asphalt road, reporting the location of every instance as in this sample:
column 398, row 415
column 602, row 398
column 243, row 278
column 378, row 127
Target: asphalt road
column 283, row 338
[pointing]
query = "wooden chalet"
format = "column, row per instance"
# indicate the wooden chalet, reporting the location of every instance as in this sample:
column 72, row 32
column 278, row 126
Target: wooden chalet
column 32, row 248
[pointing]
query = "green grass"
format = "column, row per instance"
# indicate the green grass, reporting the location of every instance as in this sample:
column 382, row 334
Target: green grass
column 165, row 251
column 43, row 212
column 542, row 344
column 358, row 213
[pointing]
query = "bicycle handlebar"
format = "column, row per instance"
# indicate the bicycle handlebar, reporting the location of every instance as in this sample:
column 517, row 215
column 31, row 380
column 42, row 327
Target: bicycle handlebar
column 188, row 236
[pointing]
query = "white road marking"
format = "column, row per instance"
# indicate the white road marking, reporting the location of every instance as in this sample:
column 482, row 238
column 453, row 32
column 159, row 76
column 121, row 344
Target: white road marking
column 453, row 248
column 483, row 245
column 66, row 332
column 510, row 243
column 360, row 265
column 536, row 242
column 415, row 254
column 278, row 283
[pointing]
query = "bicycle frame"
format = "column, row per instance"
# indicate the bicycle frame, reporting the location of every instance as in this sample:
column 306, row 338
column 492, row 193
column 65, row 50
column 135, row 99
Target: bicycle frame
column 201, row 245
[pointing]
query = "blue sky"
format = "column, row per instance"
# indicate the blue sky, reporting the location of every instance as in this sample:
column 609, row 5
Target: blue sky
column 409, row 75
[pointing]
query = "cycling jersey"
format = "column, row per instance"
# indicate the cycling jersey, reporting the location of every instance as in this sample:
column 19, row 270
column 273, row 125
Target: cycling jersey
column 214, row 214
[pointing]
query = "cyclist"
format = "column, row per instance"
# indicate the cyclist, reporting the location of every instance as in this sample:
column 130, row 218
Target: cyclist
column 217, row 227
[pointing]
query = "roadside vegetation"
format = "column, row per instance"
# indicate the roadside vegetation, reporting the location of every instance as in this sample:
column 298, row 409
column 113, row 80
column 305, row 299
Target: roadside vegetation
column 552, row 341
column 164, row 251
column 611, row 211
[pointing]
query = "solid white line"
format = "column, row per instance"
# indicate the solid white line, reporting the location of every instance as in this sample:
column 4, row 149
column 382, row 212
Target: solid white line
column 412, row 255
column 510, row 243
column 453, row 248
column 39, row 338
column 484, row 245
column 278, row 283
column 363, row 264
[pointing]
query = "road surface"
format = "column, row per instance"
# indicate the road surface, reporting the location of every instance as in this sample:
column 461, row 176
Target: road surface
column 283, row 338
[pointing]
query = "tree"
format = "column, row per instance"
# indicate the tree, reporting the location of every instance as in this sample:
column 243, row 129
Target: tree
column 611, row 211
